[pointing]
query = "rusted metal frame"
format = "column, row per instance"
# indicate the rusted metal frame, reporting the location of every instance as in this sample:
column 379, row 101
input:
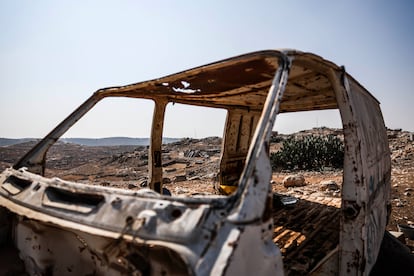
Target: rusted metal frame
column 228, row 147
column 302, row 76
column 375, row 195
column 313, row 85
column 254, row 184
column 319, row 107
column 351, row 256
column 81, row 230
column 155, row 158
column 317, row 64
column 207, row 103
column 35, row 159
column 324, row 96
column 204, row 102
column 312, row 62
column 240, row 125
column 239, row 91
column 146, row 85
column 318, row 91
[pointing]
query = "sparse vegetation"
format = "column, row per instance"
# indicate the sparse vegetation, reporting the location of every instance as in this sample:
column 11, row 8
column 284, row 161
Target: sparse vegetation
column 310, row 152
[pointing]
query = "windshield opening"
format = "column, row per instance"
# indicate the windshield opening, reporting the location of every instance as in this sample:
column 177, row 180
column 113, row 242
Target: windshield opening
column 106, row 147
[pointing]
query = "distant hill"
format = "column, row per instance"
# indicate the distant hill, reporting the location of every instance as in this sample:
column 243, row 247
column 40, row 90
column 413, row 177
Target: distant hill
column 11, row 141
column 94, row 142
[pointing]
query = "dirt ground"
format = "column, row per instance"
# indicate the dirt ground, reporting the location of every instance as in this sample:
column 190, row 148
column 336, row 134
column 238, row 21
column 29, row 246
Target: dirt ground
column 190, row 167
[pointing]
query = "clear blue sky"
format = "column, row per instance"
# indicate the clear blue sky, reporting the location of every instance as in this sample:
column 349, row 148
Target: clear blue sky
column 54, row 54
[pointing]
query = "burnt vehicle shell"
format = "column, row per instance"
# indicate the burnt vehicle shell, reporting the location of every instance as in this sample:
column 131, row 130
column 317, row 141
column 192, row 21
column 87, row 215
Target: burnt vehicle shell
column 113, row 231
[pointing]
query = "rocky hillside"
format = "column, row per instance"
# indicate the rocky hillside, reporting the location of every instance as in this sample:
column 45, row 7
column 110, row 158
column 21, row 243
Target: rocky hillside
column 191, row 165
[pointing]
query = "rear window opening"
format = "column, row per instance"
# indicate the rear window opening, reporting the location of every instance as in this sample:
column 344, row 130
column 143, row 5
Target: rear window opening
column 190, row 166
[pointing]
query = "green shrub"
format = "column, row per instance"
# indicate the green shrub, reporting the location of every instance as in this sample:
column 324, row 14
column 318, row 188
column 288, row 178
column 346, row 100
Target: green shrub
column 309, row 153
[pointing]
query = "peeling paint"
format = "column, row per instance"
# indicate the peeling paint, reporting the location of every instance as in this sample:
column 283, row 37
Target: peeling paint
column 103, row 230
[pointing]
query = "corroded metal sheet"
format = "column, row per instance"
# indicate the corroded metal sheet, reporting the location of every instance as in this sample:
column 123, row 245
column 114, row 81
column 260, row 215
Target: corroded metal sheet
column 129, row 231
column 306, row 232
column 367, row 173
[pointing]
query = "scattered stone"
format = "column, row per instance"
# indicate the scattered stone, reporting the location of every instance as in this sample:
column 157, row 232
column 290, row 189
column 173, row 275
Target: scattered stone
column 105, row 183
column 131, row 186
column 168, row 170
column 408, row 190
column 407, row 193
column 143, row 184
column 329, row 185
column 180, row 178
column 179, row 190
column 166, row 180
column 210, row 176
column 195, row 178
column 336, row 193
column 294, row 180
column 399, row 204
column 398, row 235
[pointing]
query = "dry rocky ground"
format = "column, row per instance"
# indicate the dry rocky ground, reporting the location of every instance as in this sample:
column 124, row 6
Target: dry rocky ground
column 190, row 167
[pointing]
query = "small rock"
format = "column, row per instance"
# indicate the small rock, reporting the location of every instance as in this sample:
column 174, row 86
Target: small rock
column 294, row 180
column 170, row 170
column 179, row 190
column 211, row 176
column 180, row 178
column 131, row 186
column 143, row 184
column 329, row 185
column 407, row 193
column 408, row 190
column 399, row 204
column 166, row 180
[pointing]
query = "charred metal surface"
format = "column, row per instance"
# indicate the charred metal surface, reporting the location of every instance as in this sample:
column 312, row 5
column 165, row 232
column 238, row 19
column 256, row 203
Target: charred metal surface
column 89, row 254
column 109, row 230
column 305, row 232
column 367, row 172
column 240, row 127
column 154, row 160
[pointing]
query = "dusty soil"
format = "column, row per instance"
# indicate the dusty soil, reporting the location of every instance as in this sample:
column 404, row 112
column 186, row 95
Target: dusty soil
column 190, row 167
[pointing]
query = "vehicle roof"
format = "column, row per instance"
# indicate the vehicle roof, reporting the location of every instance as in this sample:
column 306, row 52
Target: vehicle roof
column 242, row 82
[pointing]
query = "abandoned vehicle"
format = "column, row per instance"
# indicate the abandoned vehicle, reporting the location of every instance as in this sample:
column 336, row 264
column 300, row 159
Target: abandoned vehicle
column 111, row 231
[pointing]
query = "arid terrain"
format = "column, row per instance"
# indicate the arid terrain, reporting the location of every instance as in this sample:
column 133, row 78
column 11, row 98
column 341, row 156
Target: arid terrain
column 190, row 167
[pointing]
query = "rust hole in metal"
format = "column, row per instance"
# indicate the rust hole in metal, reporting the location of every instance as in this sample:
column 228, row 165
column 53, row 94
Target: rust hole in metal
column 37, row 187
column 129, row 220
column 176, row 213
